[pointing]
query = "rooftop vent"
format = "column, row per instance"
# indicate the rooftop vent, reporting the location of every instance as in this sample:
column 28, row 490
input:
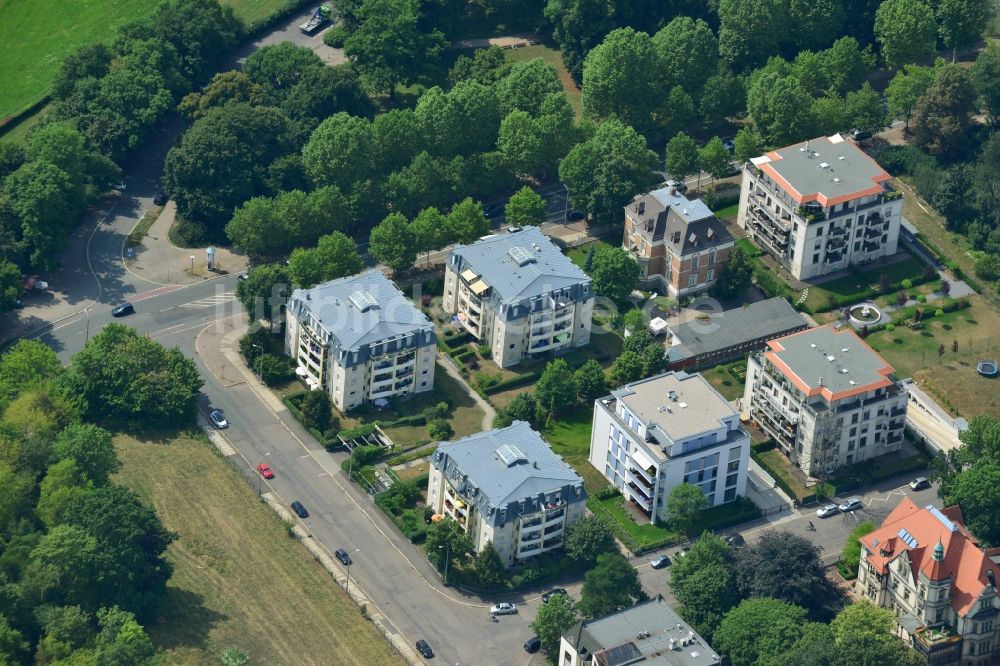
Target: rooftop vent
column 683, row 404
column 672, row 394
column 831, row 359
column 824, row 165
column 521, row 255
column 836, row 180
column 511, row 455
column 641, row 207
column 364, row 301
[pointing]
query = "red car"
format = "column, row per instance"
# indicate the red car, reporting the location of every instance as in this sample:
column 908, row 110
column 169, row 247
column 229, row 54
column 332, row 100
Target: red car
column 265, row 471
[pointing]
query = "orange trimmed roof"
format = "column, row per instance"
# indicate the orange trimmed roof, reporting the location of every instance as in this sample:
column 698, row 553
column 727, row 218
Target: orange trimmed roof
column 913, row 533
column 828, row 170
column 825, row 361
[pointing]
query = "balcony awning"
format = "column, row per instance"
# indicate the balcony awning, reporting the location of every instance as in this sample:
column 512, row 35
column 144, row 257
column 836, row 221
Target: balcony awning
column 909, row 623
column 469, row 275
column 640, row 457
column 478, row 287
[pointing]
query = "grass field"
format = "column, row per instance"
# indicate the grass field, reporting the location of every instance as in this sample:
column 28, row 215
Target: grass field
column 570, row 438
column 578, row 254
column 859, row 280
column 239, row 580
column 35, row 36
column 723, row 381
column 554, row 58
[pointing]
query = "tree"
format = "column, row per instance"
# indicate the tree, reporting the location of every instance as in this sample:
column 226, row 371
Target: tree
column 489, row 567
column 88, row 61
column 335, row 256
column 38, row 195
column 63, row 484
column 758, row 630
column 13, row 646
column 124, row 375
column 392, row 243
column 614, row 273
column 91, row 448
column 747, row 144
column 704, row 583
column 556, row 389
column 526, row 86
column 524, row 407
column 486, row 66
column 682, row 157
column 906, row 32
column 724, row 95
column 590, row 381
column 122, row 641
column 986, row 76
column 439, row 429
column 339, row 152
column 579, row 26
column 446, row 540
column 626, row 368
column 951, row 198
column 42, row 412
column 734, row 276
column 63, row 568
column 611, row 584
column 846, row 64
column 277, row 68
column 786, row 566
column 466, row 221
column 688, row 52
column 588, row 537
column 943, row 115
column 429, row 229
column 265, row 290
column 224, row 88
column 714, row 159
column 554, row 618
column 954, row 346
column 397, row 138
column 960, row 22
column 904, row 90
column 525, row 207
column 749, row 32
column 613, row 73
column 316, row 410
column 10, row 285
column 388, row 46
column 684, row 506
column 975, row 490
column 781, row 108
column 27, row 364
column 864, row 109
column 606, row 171
column 861, row 618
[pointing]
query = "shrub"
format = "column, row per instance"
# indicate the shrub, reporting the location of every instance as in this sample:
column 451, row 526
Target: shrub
column 334, row 37
column 484, row 350
column 486, row 380
column 607, row 493
column 938, row 312
column 890, row 327
column 514, row 382
column 921, row 298
column 316, row 409
column 188, row 234
column 907, row 284
column 439, row 429
column 361, row 431
column 274, row 369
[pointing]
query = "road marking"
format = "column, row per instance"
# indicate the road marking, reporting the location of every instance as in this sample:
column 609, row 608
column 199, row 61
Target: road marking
column 209, row 301
column 324, row 474
column 301, row 457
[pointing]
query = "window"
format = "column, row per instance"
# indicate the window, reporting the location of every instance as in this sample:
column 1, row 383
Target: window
column 731, row 480
column 819, row 231
column 854, row 431
column 815, row 258
column 693, row 280
column 730, row 495
column 710, row 275
column 423, row 383
column 734, row 466
column 423, row 372
column 512, row 345
column 854, row 418
column 711, row 258
column 694, row 262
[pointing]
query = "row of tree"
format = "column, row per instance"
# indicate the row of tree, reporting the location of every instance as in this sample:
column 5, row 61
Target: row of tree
column 81, row 558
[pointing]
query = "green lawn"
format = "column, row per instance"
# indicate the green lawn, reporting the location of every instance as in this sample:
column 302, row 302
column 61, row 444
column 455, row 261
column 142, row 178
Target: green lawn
column 779, row 466
column 723, row 381
column 578, row 254
column 554, row 58
column 729, row 212
column 570, row 438
column 35, row 36
column 861, row 280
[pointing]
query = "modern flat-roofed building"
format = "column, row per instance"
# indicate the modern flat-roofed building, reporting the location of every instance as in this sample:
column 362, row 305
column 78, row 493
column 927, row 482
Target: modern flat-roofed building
column 650, row 633
column 727, row 336
column 360, row 339
column 506, row 486
column 679, row 243
column 827, row 398
column 520, row 294
column 654, row 434
column 925, row 565
column 820, row 206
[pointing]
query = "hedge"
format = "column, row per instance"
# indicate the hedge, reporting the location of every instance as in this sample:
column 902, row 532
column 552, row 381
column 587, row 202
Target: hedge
column 291, row 402
column 418, row 451
column 726, row 515
column 457, row 340
column 415, row 420
column 514, row 382
column 361, row 431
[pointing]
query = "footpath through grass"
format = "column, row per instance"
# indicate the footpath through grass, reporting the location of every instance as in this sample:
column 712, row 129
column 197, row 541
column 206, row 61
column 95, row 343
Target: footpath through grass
column 239, row 580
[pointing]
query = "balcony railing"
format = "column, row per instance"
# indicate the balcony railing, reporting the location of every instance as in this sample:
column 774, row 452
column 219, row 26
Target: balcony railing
column 554, row 542
column 554, row 515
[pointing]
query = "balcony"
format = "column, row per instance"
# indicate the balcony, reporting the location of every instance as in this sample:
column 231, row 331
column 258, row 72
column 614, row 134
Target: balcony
column 932, row 639
column 870, row 247
column 835, row 242
column 893, row 413
column 530, row 538
column 534, row 522
column 646, row 477
column 382, row 377
column 554, row 515
column 526, row 550
column 872, row 232
column 404, row 373
column 554, row 542
column 552, row 529
column 646, row 493
column 382, row 365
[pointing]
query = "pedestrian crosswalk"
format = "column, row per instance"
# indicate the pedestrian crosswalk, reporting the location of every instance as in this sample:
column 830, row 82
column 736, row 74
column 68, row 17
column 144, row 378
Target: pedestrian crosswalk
column 211, row 301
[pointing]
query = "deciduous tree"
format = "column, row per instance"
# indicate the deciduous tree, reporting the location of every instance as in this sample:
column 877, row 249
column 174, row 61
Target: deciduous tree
column 906, row 32
column 758, row 630
column 714, row 159
column 525, row 207
column 684, row 505
column 611, row 584
column 554, row 618
column 904, row 90
column 556, row 389
column 682, row 157
column 734, row 276
column 688, row 53
column 614, row 273
column 704, row 583
column 942, row 116
column 960, row 22
column 615, row 72
column 749, row 32
column 590, row 381
column 392, row 243
column 526, row 85
column 466, row 221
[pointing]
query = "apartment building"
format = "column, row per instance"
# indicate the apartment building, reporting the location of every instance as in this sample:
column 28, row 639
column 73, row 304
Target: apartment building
column 651, row 633
column 828, row 399
column 925, row 565
column 506, row 486
column 360, row 339
column 679, row 243
column 820, row 206
column 654, row 434
column 520, row 294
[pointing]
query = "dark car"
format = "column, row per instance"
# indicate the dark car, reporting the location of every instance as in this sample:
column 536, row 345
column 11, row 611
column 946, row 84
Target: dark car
column 660, row 562
column 729, row 143
column 532, row 645
column 344, row 558
column 424, row 648
column 122, row 309
column 574, row 215
column 735, row 540
column 551, row 593
column 160, row 199
column 299, row 510
column 860, row 134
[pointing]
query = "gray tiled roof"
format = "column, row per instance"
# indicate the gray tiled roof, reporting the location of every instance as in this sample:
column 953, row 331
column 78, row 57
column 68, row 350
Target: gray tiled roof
column 619, row 635
column 341, row 308
column 475, row 469
column 769, row 318
column 836, row 360
column 802, row 168
column 687, row 225
column 491, row 259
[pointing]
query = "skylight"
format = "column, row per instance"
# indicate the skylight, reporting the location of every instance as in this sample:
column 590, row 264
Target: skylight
column 363, row 301
column 521, row 255
column 511, row 455
column 907, row 538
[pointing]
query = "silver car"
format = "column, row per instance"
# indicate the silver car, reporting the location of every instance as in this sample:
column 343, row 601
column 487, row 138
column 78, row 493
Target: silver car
column 827, row 511
column 503, row 608
column 851, row 504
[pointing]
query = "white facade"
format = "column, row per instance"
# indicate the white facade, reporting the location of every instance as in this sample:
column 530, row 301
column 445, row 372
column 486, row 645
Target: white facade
column 505, row 486
column 382, row 349
column 653, row 435
column 819, row 207
column 822, row 426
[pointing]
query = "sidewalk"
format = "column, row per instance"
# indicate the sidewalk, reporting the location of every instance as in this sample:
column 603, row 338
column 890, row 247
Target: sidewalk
column 155, row 259
column 488, row 412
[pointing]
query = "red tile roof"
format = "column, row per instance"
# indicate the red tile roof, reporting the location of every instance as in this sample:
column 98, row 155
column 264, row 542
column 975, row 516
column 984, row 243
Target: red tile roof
column 916, row 531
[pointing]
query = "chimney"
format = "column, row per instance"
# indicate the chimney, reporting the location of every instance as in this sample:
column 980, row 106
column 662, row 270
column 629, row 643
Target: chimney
column 642, row 207
column 820, row 381
column 672, row 191
column 992, row 578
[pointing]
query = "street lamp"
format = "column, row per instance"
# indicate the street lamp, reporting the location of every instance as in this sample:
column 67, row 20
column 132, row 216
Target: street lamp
column 259, row 357
column 350, row 465
column 259, row 475
column 350, row 561
column 447, row 554
column 192, row 264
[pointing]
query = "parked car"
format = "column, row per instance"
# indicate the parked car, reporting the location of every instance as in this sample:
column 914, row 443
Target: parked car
column 860, row 134
column 265, row 471
column 659, row 562
column 735, row 540
column 424, row 648
column 243, row 276
column 827, row 511
column 851, row 504
column 677, row 185
column 122, row 309
column 343, row 556
column 160, row 199
column 503, row 608
column 299, row 510
column 730, row 143
column 575, row 215
column 553, row 592
column 532, row 645
column 218, row 420
column 920, row 483
column 120, row 186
